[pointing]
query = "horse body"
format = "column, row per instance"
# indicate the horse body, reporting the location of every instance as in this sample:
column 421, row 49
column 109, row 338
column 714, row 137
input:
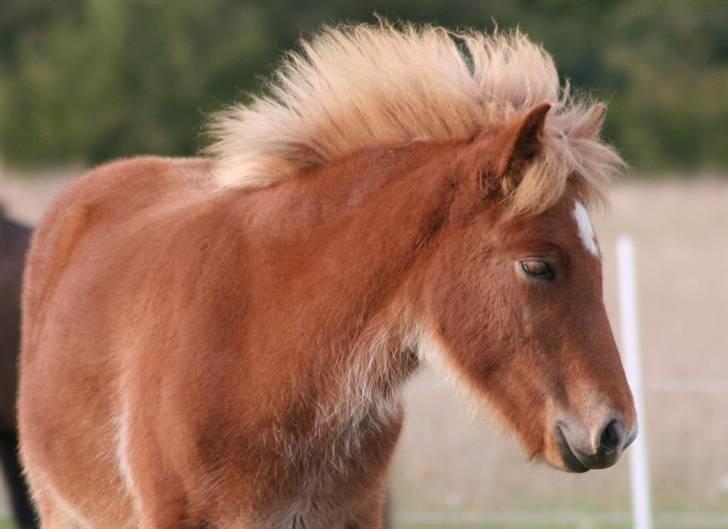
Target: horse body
column 197, row 356
column 206, row 264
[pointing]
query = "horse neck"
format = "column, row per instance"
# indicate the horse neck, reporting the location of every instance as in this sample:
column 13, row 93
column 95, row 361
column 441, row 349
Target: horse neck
column 366, row 226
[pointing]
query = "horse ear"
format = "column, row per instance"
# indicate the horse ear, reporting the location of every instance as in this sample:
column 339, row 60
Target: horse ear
column 522, row 141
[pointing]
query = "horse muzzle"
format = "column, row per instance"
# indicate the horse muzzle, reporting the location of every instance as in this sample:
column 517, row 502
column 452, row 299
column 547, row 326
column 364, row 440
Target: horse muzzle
column 582, row 451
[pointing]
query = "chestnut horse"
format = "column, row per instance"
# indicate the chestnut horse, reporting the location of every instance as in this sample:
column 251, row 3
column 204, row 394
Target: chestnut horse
column 221, row 342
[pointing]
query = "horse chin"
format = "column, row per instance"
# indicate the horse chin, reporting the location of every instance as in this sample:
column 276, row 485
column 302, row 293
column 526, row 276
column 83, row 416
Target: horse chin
column 559, row 455
column 567, row 464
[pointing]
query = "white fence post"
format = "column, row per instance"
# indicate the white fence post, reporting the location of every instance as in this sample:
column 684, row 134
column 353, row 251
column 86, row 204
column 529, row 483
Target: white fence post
column 639, row 475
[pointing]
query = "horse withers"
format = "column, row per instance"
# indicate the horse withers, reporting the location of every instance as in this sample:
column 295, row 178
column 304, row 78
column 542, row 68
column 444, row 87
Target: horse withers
column 221, row 342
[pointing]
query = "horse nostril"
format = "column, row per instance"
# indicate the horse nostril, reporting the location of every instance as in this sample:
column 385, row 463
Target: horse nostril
column 612, row 437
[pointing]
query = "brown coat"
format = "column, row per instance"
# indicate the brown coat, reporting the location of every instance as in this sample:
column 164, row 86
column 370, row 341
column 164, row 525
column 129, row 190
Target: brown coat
column 201, row 356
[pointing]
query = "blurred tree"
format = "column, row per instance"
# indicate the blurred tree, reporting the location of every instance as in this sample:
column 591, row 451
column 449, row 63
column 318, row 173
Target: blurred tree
column 87, row 80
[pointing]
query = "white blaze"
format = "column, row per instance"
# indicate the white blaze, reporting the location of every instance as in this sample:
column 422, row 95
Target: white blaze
column 586, row 232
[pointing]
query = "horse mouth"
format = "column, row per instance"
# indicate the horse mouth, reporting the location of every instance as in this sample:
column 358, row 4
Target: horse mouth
column 572, row 462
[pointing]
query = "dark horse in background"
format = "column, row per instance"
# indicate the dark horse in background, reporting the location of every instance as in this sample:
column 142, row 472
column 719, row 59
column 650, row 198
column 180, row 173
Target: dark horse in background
column 14, row 240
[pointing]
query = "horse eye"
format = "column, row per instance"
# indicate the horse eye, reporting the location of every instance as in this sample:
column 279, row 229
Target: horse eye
column 538, row 269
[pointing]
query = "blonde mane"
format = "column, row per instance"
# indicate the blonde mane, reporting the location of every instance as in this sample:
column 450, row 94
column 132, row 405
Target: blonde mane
column 352, row 87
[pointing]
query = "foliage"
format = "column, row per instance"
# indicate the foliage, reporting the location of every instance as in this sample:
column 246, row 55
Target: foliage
column 87, row 80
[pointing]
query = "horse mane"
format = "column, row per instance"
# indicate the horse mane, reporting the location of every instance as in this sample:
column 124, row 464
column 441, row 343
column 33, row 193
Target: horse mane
column 356, row 86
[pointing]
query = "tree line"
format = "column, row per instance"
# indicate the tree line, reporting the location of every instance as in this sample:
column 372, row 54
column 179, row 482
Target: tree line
column 82, row 81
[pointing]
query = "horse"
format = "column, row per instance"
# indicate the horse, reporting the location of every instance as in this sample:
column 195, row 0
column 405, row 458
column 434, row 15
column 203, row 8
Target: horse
column 15, row 239
column 222, row 341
